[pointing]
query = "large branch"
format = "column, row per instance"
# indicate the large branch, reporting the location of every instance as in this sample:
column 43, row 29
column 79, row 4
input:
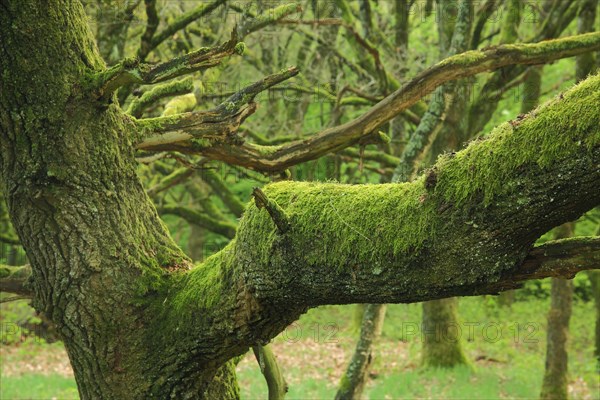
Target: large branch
column 277, row 158
column 466, row 227
column 559, row 259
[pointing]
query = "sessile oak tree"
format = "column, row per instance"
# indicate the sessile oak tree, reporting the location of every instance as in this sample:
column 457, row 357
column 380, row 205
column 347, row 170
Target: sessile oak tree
column 140, row 321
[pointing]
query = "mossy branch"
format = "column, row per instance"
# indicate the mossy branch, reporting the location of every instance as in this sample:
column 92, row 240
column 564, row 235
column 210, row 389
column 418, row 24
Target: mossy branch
column 469, row 231
column 217, row 124
column 562, row 258
column 130, row 71
column 270, row 16
column 247, row 94
column 16, row 280
column 199, row 125
column 158, row 92
column 470, row 63
column 271, row 371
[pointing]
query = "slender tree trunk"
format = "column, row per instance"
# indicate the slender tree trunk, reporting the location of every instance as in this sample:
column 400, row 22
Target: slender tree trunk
column 441, row 335
column 556, row 383
column 506, row 299
column 354, row 379
column 594, row 277
column 585, row 64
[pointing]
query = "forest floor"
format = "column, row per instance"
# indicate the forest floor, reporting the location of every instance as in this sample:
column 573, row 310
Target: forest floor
column 506, row 346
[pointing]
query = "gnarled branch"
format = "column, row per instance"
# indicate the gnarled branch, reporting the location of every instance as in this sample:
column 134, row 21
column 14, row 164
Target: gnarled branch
column 215, row 124
column 133, row 71
column 277, row 158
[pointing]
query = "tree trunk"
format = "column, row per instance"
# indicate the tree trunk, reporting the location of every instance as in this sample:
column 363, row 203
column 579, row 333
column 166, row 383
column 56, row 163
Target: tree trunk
column 93, row 238
column 585, row 64
column 556, row 382
column 594, row 277
column 441, row 334
column 555, row 385
column 354, row 379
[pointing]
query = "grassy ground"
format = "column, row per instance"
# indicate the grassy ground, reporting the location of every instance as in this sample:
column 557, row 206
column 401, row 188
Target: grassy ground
column 506, row 345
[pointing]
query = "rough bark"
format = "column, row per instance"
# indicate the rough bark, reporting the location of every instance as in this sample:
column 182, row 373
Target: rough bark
column 93, row 238
column 96, row 243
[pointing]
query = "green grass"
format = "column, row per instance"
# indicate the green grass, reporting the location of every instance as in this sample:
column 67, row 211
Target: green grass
column 36, row 386
column 513, row 366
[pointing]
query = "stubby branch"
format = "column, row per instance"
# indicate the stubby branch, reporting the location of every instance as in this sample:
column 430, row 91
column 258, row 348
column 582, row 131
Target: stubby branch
column 173, row 88
column 176, row 128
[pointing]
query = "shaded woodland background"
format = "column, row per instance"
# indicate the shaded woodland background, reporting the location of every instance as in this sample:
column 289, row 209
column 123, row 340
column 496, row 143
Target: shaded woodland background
column 350, row 55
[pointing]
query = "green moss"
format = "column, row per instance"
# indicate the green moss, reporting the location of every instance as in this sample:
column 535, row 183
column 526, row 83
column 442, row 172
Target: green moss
column 180, row 104
column 466, row 58
column 152, row 125
column 555, row 131
column 264, row 150
column 230, row 106
column 335, row 221
column 240, row 48
column 202, row 287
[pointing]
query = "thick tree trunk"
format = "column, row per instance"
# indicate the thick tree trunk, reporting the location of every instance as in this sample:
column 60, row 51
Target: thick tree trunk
column 94, row 239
